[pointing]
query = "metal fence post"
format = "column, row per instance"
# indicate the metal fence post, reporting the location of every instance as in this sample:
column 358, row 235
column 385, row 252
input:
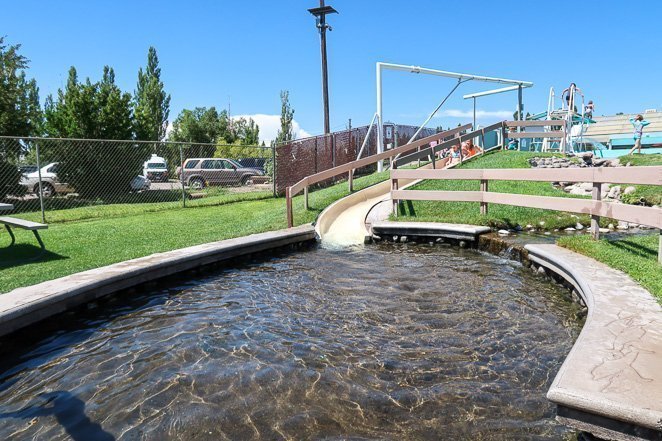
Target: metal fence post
column 273, row 168
column 595, row 220
column 181, row 174
column 41, row 193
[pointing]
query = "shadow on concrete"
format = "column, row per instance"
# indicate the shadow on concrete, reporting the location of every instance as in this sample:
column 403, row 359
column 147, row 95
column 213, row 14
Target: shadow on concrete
column 69, row 411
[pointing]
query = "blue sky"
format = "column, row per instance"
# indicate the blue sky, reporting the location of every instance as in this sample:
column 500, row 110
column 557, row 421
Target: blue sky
column 245, row 52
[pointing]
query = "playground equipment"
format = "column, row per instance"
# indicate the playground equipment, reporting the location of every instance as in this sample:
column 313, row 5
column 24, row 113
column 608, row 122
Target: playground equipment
column 461, row 78
column 572, row 119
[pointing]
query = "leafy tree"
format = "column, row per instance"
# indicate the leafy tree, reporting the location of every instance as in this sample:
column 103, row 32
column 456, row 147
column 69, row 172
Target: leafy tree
column 20, row 114
column 95, row 111
column 152, row 105
column 200, row 126
column 243, row 131
column 285, row 133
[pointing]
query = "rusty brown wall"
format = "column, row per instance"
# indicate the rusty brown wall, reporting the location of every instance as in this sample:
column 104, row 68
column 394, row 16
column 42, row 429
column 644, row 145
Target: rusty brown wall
column 304, row 157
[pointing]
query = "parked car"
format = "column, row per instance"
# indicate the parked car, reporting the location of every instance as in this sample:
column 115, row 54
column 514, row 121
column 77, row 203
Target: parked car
column 156, row 169
column 50, row 184
column 25, row 169
column 201, row 172
column 140, row 183
column 257, row 163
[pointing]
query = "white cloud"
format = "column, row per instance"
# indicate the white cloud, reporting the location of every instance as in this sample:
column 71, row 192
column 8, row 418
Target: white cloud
column 269, row 125
column 482, row 114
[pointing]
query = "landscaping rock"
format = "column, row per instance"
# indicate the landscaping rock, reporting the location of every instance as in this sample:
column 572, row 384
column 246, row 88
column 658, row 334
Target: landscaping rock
column 503, row 233
column 579, row 226
column 569, row 229
column 629, row 190
column 614, row 192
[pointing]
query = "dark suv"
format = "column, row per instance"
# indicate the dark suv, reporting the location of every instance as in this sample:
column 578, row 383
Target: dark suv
column 200, row 172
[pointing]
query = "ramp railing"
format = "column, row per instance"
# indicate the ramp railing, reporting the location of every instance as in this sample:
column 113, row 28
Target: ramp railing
column 349, row 168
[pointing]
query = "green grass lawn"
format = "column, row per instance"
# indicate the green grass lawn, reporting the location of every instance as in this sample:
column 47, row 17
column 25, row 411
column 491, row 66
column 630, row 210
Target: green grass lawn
column 634, row 255
column 499, row 216
column 648, row 194
column 90, row 237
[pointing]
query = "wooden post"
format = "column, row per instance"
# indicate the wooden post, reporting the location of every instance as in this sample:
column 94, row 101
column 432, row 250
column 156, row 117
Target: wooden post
column 394, row 186
column 305, row 198
column 432, row 157
column 659, row 251
column 595, row 220
column 483, row 205
column 288, row 203
column 350, row 180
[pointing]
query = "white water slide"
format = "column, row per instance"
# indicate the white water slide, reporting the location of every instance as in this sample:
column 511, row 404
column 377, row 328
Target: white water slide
column 347, row 221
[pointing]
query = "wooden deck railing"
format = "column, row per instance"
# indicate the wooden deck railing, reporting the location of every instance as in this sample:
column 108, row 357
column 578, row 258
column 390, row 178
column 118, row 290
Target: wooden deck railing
column 595, row 207
column 349, row 168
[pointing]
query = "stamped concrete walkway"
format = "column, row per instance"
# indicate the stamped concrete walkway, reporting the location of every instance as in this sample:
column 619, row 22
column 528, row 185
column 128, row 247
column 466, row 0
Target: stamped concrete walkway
column 611, row 381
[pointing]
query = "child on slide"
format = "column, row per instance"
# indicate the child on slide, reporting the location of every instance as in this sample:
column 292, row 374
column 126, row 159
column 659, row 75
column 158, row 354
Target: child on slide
column 639, row 123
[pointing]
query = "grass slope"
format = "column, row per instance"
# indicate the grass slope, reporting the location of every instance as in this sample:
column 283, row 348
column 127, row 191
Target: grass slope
column 499, row 216
column 112, row 233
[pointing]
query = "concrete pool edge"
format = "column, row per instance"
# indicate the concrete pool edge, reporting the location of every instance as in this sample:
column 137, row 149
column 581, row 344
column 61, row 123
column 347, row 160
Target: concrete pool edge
column 610, row 383
column 28, row 305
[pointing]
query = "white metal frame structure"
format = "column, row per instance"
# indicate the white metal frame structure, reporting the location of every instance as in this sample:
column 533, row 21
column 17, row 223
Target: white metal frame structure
column 461, row 77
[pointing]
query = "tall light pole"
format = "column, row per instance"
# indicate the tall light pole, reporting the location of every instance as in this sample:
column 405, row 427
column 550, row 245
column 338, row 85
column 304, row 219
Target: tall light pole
column 320, row 14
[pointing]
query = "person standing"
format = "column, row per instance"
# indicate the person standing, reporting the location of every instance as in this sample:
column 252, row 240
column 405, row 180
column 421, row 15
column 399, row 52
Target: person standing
column 588, row 110
column 638, row 123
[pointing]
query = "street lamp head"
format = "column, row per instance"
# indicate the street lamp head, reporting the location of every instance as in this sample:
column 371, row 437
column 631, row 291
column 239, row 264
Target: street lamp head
column 317, row 12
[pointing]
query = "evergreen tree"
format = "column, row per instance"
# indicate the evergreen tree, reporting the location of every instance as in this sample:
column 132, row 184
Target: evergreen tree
column 201, row 125
column 95, row 111
column 286, row 117
column 152, row 104
column 20, row 114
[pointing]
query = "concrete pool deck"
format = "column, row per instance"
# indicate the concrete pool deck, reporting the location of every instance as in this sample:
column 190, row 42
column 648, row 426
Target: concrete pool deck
column 25, row 306
column 610, row 384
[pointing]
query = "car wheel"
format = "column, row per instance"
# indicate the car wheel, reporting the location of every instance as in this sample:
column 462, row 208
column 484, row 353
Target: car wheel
column 246, row 180
column 47, row 189
column 197, row 183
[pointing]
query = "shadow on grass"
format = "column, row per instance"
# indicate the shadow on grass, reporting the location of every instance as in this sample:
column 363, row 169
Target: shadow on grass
column 406, row 208
column 22, row 254
column 635, row 248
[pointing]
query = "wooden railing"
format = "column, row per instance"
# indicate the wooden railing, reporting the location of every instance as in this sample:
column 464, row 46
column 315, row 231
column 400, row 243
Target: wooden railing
column 551, row 134
column 349, row 168
column 595, row 207
column 430, row 153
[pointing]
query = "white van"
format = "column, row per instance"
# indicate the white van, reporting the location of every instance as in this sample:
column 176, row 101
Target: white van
column 156, row 169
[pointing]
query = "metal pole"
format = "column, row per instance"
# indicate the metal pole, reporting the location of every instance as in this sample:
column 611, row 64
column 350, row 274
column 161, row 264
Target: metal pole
column 460, row 81
column 273, row 168
column 520, row 107
column 378, row 113
column 181, row 175
column 325, row 77
column 474, row 126
column 41, row 192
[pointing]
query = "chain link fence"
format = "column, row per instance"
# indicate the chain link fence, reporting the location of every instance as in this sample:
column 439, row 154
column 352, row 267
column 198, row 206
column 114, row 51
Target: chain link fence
column 48, row 178
column 304, row 157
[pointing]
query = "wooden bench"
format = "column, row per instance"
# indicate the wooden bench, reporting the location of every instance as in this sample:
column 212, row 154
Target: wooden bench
column 10, row 222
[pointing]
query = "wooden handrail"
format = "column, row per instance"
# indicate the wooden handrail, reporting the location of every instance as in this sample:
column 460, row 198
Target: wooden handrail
column 304, row 183
column 648, row 175
column 431, row 151
column 551, row 134
column 539, row 123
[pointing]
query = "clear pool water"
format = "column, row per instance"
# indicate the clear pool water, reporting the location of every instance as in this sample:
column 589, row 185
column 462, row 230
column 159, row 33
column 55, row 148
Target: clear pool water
column 386, row 342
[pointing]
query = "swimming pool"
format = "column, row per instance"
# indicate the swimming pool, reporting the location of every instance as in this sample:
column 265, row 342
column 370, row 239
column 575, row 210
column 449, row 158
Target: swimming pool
column 383, row 342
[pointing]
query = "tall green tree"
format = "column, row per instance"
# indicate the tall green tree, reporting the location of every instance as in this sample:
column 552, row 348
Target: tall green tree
column 199, row 127
column 98, row 110
column 152, row 104
column 285, row 133
column 20, row 113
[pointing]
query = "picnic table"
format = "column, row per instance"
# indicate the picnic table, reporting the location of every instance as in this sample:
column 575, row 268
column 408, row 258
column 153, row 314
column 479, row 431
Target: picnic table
column 10, row 222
